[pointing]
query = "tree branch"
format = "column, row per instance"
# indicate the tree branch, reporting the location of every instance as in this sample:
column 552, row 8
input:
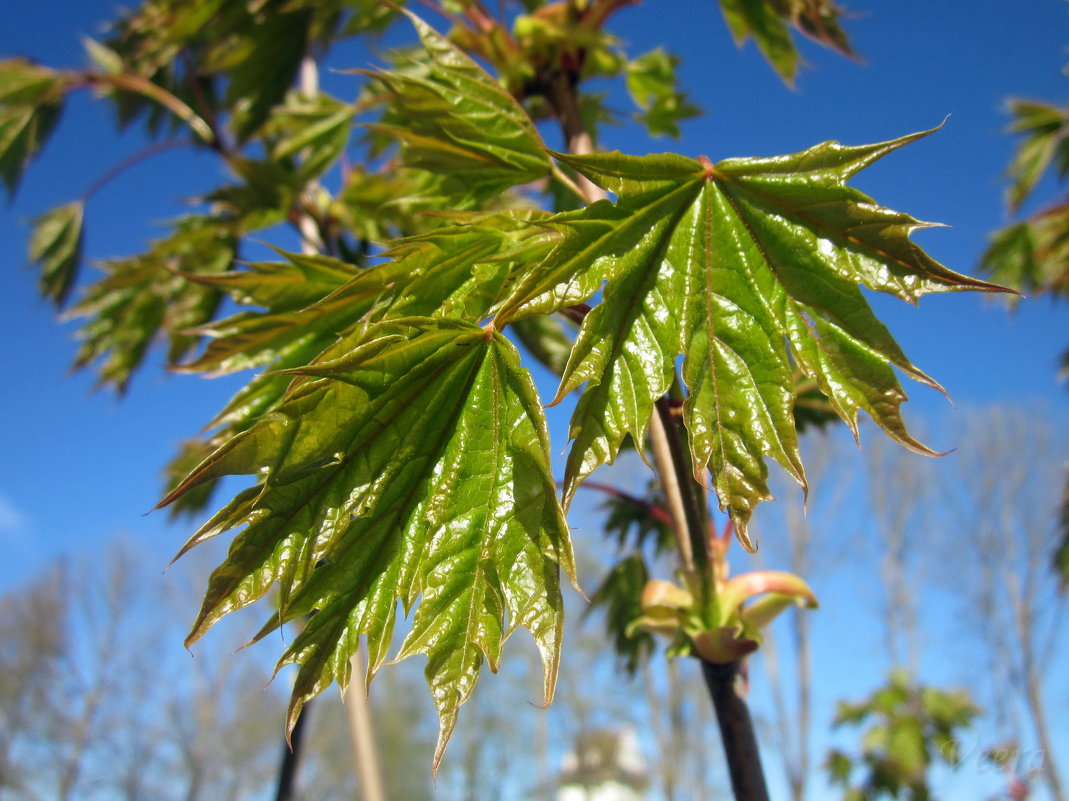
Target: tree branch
column 727, row 688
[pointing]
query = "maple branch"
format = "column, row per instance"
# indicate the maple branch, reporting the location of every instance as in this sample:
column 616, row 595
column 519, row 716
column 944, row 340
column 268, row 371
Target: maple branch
column 664, row 425
column 726, row 683
column 665, row 459
column 561, row 94
column 652, row 509
column 727, row 687
column 291, row 756
column 127, row 163
column 563, row 97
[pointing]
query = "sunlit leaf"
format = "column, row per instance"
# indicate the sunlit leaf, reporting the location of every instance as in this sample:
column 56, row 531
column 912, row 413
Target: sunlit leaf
column 56, row 247
column 412, row 468
column 750, row 268
column 145, row 297
column 30, row 102
column 455, row 121
column 1044, row 129
column 266, row 59
column 546, row 337
column 768, row 22
column 314, row 130
column 1032, row 255
column 651, row 82
column 190, row 454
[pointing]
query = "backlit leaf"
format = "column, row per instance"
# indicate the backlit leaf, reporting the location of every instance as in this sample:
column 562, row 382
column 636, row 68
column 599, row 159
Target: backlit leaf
column 768, row 22
column 30, row 102
column 751, row 269
column 412, row 468
column 619, row 594
column 454, row 120
column 314, row 130
column 1032, row 255
column 651, row 82
column 1044, row 129
column 265, row 64
column 56, row 247
column 142, row 298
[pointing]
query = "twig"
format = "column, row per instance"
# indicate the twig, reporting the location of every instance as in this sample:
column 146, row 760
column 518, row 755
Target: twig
column 125, row 164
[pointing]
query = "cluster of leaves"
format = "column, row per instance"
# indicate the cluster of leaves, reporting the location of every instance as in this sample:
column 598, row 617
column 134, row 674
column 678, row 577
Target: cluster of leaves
column 909, row 728
column 1032, row 254
column 398, row 444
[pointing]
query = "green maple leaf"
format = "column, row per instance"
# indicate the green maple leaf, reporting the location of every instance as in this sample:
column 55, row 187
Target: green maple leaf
column 1043, row 127
column 56, row 245
column 143, row 297
column 769, row 22
column 456, row 122
column 751, row 269
column 414, row 466
column 31, row 98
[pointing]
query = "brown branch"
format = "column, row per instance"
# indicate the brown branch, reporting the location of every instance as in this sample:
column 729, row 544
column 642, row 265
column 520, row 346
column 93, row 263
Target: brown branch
column 658, row 512
column 727, row 688
column 726, row 683
column 125, row 164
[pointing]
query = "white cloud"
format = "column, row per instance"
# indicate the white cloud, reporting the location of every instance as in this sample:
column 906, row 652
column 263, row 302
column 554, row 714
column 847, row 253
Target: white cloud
column 12, row 519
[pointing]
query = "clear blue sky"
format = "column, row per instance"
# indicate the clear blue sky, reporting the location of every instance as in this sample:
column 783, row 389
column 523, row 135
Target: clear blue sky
column 78, row 467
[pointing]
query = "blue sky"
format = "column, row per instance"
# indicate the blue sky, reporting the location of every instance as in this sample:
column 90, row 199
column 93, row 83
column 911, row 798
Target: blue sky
column 79, row 467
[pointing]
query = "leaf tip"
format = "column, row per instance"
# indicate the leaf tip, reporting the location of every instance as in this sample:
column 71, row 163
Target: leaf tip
column 742, row 533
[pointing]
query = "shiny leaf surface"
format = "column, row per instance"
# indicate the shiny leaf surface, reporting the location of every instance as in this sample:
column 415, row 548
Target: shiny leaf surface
column 750, row 268
column 414, row 467
column 454, row 120
column 768, row 23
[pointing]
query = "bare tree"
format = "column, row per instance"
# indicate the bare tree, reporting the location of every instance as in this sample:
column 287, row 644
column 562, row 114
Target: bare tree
column 801, row 541
column 899, row 486
column 1004, row 506
column 99, row 700
column 31, row 652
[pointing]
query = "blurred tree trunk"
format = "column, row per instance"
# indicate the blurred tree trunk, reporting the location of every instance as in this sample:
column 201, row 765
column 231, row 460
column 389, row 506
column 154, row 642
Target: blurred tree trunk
column 362, row 728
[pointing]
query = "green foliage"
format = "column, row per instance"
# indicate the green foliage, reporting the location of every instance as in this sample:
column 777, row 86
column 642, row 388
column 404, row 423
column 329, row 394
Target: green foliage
column 1032, row 255
column 56, row 247
column 141, row 297
column 651, row 82
column 762, row 258
column 458, row 124
column 768, row 22
column 398, row 450
column 413, row 466
column 909, row 728
column 30, row 103
column 619, row 594
column 1044, row 144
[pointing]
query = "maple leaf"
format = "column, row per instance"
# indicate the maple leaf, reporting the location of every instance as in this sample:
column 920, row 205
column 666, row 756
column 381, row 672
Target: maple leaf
column 414, row 466
column 31, row 99
column 141, row 297
column 56, row 246
column 769, row 22
column 458, row 123
column 750, row 268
